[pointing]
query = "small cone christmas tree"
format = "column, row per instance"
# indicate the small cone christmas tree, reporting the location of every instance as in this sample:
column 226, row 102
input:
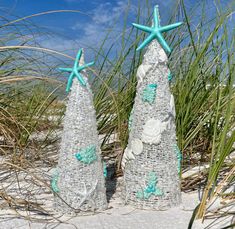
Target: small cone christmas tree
column 151, row 161
column 79, row 183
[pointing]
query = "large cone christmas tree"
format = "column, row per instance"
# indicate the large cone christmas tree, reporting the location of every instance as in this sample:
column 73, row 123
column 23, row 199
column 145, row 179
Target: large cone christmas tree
column 79, row 183
column 151, row 161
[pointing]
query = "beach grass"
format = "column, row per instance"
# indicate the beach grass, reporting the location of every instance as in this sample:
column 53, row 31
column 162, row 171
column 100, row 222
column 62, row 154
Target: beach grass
column 202, row 64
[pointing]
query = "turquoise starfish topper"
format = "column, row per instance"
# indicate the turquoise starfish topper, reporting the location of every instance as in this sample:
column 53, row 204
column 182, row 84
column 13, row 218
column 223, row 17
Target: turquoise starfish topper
column 156, row 30
column 75, row 71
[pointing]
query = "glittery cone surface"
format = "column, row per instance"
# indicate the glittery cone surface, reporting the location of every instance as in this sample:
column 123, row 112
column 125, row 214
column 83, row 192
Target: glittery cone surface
column 81, row 185
column 153, row 128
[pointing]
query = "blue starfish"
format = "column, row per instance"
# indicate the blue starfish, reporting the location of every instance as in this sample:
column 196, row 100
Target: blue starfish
column 75, row 71
column 156, row 30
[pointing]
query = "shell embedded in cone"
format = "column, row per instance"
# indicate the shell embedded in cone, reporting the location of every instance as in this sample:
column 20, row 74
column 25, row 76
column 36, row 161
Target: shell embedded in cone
column 137, row 146
column 152, row 131
column 132, row 150
column 142, row 70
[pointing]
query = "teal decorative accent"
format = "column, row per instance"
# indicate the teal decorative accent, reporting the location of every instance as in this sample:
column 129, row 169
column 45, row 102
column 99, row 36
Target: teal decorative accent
column 170, row 76
column 179, row 157
column 87, row 155
column 156, row 31
column 75, row 71
column 54, row 183
column 130, row 120
column 151, row 188
column 149, row 93
column 105, row 172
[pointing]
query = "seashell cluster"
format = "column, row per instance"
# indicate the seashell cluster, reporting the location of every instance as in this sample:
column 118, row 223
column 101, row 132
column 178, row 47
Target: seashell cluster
column 151, row 134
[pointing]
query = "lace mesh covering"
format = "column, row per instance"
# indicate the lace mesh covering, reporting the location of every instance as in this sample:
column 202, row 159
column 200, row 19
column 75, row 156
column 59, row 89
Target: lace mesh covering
column 153, row 124
column 80, row 179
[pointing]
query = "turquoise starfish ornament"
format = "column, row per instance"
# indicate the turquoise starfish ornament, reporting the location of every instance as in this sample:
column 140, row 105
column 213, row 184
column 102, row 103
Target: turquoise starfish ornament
column 156, row 31
column 75, row 71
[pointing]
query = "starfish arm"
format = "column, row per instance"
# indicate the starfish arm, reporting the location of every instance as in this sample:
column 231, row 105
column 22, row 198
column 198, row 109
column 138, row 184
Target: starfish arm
column 80, row 79
column 142, row 27
column 86, row 66
column 70, row 82
column 163, row 42
column 146, row 41
column 66, row 69
column 170, row 27
column 86, row 194
column 156, row 17
column 77, row 58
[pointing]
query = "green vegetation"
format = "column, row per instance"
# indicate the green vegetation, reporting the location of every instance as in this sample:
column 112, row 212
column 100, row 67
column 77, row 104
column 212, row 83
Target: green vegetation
column 203, row 67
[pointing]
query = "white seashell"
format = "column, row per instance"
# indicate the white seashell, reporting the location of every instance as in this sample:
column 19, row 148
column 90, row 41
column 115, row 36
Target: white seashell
column 141, row 72
column 152, row 131
column 137, row 146
column 172, row 105
column 162, row 56
column 128, row 155
column 123, row 162
column 124, row 157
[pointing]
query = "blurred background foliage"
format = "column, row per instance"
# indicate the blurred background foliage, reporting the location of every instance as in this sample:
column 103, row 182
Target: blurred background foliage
column 32, row 95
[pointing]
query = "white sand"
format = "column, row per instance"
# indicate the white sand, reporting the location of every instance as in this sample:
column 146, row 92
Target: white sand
column 119, row 216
